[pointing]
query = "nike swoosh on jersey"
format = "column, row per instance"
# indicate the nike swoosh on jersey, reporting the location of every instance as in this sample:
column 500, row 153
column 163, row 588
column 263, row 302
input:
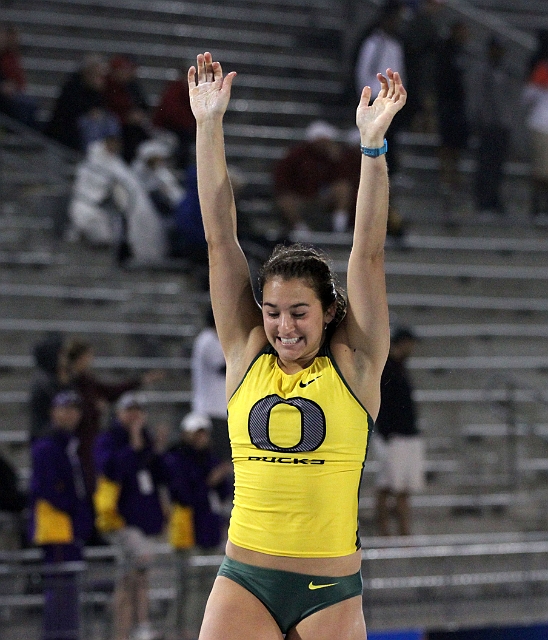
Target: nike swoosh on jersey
column 313, row 586
column 305, row 384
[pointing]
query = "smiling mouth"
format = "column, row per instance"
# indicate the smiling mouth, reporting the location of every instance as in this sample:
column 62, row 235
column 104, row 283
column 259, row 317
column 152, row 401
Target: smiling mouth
column 287, row 342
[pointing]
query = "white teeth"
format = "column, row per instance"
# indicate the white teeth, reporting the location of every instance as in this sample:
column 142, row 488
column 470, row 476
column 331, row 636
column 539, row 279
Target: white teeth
column 289, row 340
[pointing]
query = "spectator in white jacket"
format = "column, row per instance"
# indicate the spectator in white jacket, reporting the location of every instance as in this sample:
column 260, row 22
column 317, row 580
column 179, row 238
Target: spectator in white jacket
column 110, row 207
column 152, row 168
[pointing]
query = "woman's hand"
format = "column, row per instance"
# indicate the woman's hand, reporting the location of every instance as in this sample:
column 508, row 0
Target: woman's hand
column 209, row 91
column 373, row 120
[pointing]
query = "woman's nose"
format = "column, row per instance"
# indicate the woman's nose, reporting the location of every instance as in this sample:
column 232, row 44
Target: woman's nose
column 286, row 322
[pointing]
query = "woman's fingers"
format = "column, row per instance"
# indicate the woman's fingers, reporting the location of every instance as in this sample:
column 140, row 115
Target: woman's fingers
column 208, row 66
column 217, row 71
column 383, row 92
column 191, row 78
column 206, row 70
column 366, row 96
column 200, row 64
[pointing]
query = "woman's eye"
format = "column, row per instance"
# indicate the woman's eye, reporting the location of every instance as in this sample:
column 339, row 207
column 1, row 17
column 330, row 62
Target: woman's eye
column 298, row 315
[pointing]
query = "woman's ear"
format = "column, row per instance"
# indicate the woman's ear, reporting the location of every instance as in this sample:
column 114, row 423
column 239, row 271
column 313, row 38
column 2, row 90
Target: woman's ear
column 330, row 313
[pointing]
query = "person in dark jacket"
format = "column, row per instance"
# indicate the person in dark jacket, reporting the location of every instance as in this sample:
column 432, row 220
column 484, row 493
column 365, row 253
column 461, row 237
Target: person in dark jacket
column 129, row 511
column 96, row 395
column 49, row 378
column 197, row 481
column 401, row 464
column 61, row 514
column 82, row 93
column 451, row 100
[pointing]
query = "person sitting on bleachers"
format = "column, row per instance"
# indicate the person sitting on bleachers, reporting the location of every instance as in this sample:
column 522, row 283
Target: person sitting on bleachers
column 14, row 100
column 152, row 168
column 83, row 91
column 125, row 97
column 106, row 194
column 312, row 186
column 173, row 113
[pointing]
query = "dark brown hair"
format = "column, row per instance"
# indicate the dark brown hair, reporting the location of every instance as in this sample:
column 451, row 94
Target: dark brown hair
column 312, row 265
column 75, row 349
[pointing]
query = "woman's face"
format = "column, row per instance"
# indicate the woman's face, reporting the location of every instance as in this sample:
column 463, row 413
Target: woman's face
column 293, row 319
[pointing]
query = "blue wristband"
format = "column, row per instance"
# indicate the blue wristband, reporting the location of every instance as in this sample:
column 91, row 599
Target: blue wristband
column 374, row 153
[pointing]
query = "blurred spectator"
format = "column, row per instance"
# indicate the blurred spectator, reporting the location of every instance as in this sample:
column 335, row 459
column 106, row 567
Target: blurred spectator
column 187, row 236
column 62, row 516
column 452, row 107
column 401, row 448
column 421, row 40
column 82, row 92
column 49, row 378
column 312, row 186
column 13, row 500
column 152, row 169
column 97, row 124
column 381, row 47
column 208, row 369
column 197, row 483
column 92, row 210
column 535, row 96
column 96, row 395
column 110, row 207
column 14, row 101
column 129, row 512
column 125, row 97
column 173, row 113
column 493, row 121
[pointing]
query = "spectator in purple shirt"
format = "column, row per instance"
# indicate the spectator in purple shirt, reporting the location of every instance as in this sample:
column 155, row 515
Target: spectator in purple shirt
column 61, row 514
column 198, row 483
column 129, row 511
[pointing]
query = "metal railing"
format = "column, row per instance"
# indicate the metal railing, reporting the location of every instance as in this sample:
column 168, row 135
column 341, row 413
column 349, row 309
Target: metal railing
column 420, row 570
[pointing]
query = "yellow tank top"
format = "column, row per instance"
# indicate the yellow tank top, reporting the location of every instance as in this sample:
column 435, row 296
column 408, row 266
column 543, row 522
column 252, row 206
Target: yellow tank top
column 299, row 443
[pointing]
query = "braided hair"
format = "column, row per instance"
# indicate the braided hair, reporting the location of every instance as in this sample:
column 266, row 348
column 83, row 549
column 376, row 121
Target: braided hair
column 312, row 265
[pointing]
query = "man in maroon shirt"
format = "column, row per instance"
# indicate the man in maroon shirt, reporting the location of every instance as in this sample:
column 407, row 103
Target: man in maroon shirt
column 313, row 185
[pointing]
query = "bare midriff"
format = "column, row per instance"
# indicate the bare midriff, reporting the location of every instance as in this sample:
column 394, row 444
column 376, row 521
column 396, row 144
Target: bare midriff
column 340, row 566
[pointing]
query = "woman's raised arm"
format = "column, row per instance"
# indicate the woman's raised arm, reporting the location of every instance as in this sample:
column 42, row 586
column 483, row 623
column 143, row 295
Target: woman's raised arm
column 235, row 309
column 367, row 318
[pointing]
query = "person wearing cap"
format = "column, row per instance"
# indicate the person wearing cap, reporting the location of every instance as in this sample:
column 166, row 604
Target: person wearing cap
column 400, row 448
column 312, row 186
column 128, row 510
column 152, row 168
column 61, row 513
column 198, row 482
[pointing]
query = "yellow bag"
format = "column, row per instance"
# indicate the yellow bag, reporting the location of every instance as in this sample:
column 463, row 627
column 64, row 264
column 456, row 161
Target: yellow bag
column 52, row 526
column 181, row 527
column 105, row 500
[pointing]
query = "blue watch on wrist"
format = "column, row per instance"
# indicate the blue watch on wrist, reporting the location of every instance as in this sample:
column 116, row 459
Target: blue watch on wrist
column 374, row 153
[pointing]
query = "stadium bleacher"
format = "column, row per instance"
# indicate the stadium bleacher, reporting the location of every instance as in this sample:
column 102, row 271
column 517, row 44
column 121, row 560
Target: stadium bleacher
column 474, row 291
